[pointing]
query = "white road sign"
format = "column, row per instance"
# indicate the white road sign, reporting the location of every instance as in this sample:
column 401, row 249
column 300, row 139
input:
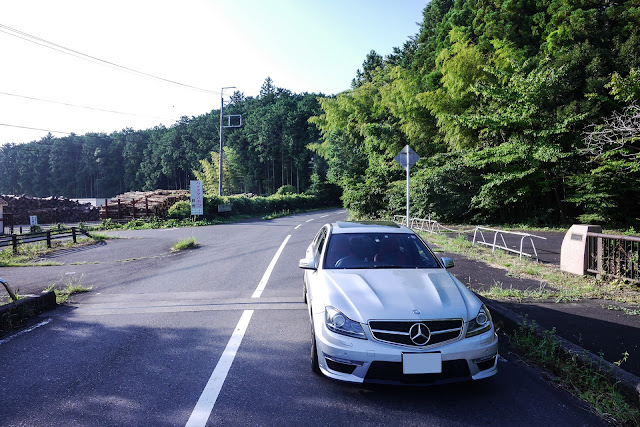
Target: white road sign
column 197, row 203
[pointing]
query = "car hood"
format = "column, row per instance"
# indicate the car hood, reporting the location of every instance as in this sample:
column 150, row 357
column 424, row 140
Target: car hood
column 405, row 294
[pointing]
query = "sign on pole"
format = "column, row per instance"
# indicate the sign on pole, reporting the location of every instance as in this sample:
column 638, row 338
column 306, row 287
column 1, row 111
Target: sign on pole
column 33, row 220
column 197, row 203
column 407, row 158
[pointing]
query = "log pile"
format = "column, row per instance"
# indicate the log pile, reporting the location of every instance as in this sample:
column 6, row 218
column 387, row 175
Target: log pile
column 142, row 204
column 50, row 210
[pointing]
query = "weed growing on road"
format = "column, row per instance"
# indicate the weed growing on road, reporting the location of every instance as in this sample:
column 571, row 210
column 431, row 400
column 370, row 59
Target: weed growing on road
column 625, row 310
column 188, row 243
column 64, row 294
column 585, row 381
column 561, row 286
column 275, row 215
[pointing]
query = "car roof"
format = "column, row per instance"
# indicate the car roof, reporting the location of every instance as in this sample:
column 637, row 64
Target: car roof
column 345, row 227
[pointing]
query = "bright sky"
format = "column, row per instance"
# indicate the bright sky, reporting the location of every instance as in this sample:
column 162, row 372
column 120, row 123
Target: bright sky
column 303, row 45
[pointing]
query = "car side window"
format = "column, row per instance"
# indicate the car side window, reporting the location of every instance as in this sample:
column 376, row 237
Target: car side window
column 322, row 238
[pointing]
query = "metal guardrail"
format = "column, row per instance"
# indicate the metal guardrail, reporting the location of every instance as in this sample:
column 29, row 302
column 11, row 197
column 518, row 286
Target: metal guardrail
column 433, row 227
column 428, row 225
column 613, row 256
column 14, row 239
column 500, row 234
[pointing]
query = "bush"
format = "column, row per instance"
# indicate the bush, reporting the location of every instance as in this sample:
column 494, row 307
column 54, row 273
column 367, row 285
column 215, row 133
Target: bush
column 180, row 210
column 286, row 189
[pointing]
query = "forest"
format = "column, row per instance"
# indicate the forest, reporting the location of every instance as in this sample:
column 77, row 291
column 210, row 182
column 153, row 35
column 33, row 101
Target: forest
column 523, row 111
column 267, row 152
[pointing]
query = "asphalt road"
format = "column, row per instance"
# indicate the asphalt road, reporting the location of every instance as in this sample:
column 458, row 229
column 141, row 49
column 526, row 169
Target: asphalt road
column 201, row 335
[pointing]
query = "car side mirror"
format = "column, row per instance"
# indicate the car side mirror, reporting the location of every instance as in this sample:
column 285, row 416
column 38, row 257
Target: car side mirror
column 447, row 262
column 308, row 264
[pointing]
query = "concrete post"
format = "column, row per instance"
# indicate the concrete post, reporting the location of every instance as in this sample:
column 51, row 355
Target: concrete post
column 573, row 254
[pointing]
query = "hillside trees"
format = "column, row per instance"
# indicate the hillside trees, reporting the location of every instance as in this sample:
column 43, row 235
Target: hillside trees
column 269, row 151
column 496, row 97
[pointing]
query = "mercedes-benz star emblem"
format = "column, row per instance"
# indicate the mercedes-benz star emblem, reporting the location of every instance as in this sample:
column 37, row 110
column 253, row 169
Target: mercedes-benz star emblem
column 419, row 334
column 416, row 311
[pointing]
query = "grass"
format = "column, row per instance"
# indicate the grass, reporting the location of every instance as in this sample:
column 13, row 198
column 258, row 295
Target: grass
column 65, row 293
column 556, row 285
column 584, row 381
column 275, row 215
column 31, row 254
column 184, row 244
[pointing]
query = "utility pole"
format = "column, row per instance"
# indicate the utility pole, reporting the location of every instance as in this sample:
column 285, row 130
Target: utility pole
column 221, row 131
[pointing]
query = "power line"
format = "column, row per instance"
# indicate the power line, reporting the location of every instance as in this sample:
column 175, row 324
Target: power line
column 88, row 108
column 31, row 128
column 50, row 45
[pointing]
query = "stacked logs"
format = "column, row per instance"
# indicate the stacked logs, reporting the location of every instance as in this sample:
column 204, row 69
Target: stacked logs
column 50, row 210
column 142, row 204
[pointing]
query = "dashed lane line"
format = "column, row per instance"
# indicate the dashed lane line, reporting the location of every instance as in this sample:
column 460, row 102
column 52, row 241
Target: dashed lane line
column 207, row 400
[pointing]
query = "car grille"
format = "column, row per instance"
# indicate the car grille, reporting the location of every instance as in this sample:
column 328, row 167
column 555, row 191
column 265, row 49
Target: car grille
column 397, row 332
column 391, row 372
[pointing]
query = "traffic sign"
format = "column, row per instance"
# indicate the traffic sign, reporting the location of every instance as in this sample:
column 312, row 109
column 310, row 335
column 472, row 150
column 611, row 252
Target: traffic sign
column 407, row 157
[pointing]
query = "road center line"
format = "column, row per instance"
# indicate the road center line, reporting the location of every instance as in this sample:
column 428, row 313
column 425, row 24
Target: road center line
column 309, row 220
column 207, row 400
column 267, row 273
column 209, row 395
column 297, row 226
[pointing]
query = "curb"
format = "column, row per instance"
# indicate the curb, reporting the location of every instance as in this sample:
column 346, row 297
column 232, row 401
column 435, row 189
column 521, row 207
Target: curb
column 20, row 310
column 628, row 383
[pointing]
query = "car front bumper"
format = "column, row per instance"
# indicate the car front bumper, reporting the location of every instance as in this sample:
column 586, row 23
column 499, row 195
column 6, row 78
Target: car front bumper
column 371, row 361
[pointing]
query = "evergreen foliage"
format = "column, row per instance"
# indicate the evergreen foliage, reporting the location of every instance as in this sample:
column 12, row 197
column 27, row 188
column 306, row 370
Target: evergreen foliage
column 268, row 152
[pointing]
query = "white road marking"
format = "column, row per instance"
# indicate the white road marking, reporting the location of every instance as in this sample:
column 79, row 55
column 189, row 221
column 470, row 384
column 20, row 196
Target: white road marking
column 267, row 273
column 297, row 226
column 309, row 220
column 209, row 395
column 323, row 216
column 204, row 406
column 6, row 340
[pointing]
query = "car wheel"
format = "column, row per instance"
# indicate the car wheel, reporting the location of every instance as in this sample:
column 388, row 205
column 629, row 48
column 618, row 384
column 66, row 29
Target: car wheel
column 315, row 365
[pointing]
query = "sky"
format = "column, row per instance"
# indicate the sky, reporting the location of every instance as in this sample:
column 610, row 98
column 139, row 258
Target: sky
column 199, row 45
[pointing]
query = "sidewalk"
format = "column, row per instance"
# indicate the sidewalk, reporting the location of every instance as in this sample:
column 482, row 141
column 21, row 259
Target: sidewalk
column 602, row 327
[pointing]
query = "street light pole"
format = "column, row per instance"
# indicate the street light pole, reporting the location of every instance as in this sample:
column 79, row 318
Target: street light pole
column 221, row 130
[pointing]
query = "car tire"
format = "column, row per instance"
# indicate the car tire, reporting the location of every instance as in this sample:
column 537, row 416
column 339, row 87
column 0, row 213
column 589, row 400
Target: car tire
column 315, row 365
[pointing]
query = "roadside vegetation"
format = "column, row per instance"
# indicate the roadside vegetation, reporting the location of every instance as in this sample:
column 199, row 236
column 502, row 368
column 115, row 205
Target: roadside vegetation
column 65, row 292
column 586, row 382
column 555, row 285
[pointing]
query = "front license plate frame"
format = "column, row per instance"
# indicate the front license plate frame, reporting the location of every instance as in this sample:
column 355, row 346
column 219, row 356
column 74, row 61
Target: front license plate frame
column 422, row 363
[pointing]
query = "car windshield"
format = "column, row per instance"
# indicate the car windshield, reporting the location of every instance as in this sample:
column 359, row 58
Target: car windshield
column 377, row 250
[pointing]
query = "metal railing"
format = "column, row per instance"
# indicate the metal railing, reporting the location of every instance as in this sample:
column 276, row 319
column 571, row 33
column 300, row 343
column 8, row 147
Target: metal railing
column 14, row 239
column 500, row 234
column 428, row 225
column 613, row 256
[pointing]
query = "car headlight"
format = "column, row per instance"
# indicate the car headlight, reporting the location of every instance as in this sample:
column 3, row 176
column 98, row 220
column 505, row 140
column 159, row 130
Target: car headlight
column 481, row 323
column 337, row 322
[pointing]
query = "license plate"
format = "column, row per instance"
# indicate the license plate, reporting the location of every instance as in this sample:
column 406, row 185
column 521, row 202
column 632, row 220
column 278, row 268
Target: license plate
column 421, row 363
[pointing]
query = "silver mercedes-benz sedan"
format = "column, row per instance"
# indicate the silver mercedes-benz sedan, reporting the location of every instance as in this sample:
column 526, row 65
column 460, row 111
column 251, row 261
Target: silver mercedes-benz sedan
column 384, row 309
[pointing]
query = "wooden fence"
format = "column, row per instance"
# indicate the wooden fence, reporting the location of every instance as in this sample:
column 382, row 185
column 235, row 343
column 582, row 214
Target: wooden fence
column 17, row 239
